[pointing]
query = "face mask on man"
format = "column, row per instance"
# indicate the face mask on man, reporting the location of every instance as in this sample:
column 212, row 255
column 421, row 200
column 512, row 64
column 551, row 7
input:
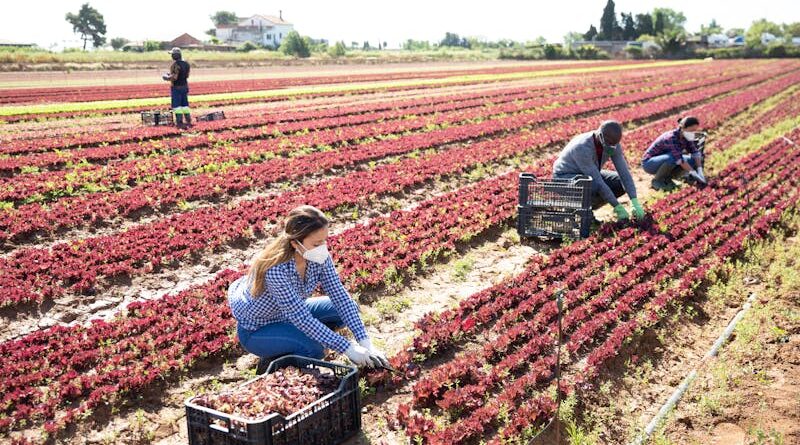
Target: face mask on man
column 316, row 255
column 609, row 149
column 690, row 135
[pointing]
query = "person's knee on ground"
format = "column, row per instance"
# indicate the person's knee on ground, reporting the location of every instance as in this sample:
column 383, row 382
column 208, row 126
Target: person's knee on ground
column 613, row 181
column 662, row 180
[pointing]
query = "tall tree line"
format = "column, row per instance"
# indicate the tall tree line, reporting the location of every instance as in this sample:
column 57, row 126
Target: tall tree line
column 630, row 26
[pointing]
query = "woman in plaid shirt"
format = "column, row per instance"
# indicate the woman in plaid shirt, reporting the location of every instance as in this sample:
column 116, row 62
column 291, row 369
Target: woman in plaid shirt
column 273, row 307
column 665, row 159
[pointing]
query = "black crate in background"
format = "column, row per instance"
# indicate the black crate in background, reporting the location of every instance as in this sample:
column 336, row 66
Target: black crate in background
column 156, row 118
column 213, row 116
column 328, row 421
column 554, row 207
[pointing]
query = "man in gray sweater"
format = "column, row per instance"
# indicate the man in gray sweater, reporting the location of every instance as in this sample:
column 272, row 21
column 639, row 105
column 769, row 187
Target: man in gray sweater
column 586, row 153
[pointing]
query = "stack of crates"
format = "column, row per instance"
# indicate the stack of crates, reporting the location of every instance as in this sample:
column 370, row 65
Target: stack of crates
column 554, row 208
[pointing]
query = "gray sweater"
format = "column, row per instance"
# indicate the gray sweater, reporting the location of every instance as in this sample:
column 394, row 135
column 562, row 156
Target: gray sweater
column 580, row 157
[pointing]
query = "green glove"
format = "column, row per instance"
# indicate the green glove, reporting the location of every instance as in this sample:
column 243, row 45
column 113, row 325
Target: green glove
column 622, row 214
column 638, row 211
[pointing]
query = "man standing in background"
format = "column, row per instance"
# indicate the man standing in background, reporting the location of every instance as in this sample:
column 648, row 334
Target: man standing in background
column 179, row 92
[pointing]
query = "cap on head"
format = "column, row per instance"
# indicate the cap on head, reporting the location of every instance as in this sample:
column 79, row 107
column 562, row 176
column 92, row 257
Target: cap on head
column 175, row 50
column 688, row 121
column 611, row 131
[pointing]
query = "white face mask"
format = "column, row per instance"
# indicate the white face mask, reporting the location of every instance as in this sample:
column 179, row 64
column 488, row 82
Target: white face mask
column 689, row 135
column 316, row 255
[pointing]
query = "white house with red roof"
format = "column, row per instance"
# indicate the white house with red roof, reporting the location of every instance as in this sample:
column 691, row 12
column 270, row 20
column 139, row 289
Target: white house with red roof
column 268, row 30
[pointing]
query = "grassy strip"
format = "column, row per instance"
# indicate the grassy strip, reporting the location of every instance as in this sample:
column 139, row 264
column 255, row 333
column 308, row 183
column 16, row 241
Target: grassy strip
column 742, row 148
column 288, row 92
column 773, row 319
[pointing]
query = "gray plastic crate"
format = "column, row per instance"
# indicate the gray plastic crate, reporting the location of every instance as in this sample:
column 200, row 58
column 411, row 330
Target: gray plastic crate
column 156, row 118
column 213, row 116
column 554, row 207
column 328, row 421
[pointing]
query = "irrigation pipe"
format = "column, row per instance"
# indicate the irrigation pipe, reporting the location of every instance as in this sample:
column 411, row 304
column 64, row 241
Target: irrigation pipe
column 676, row 396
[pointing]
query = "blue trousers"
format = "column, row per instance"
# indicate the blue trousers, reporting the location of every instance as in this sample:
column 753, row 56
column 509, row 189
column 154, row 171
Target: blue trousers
column 281, row 338
column 179, row 97
column 652, row 165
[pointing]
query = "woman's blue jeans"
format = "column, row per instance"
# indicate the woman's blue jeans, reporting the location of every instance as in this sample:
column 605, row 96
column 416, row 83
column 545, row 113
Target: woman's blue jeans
column 282, row 338
column 653, row 164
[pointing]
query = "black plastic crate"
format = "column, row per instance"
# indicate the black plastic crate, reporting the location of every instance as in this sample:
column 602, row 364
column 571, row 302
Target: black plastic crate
column 156, row 118
column 328, row 421
column 213, row 116
column 554, row 207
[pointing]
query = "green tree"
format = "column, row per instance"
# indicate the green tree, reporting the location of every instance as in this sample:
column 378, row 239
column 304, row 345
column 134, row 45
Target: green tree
column 224, row 18
column 452, row 39
column 337, row 50
column 294, row 45
column 733, row 32
column 671, row 41
column 572, row 37
column 658, row 24
column 791, row 30
column 608, row 22
column 118, row 42
column 672, row 19
column 591, row 33
column 712, row 28
column 644, row 24
column 151, row 45
column 752, row 37
column 416, row 45
column 628, row 27
column 590, row 52
column 89, row 23
column 246, row 47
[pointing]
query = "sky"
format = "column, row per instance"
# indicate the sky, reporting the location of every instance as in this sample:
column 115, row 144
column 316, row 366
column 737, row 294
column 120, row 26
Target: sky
column 42, row 21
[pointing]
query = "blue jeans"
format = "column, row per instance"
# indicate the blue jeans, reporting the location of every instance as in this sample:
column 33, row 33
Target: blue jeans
column 652, row 165
column 281, row 338
column 179, row 97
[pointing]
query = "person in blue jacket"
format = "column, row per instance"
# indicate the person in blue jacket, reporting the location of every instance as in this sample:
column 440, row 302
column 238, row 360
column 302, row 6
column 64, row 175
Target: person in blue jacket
column 273, row 304
column 675, row 154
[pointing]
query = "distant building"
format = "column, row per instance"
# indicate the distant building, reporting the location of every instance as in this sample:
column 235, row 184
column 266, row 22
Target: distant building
column 796, row 41
column 266, row 30
column 615, row 48
column 767, row 38
column 10, row 44
column 185, row 41
column 717, row 40
column 736, row 41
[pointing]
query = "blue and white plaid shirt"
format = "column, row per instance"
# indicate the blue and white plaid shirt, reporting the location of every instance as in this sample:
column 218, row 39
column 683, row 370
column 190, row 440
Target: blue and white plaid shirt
column 671, row 142
column 282, row 301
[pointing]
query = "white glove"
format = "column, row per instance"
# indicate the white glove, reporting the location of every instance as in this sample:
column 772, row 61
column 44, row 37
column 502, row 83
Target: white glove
column 700, row 172
column 697, row 176
column 377, row 356
column 359, row 355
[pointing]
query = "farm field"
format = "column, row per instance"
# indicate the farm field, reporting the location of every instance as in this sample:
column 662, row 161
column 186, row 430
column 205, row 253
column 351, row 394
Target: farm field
column 118, row 243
